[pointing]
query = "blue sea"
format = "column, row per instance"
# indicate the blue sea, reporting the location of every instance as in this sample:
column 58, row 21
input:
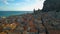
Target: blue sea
column 9, row 13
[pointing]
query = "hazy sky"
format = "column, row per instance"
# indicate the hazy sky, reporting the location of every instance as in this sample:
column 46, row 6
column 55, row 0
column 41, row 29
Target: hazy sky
column 20, row 5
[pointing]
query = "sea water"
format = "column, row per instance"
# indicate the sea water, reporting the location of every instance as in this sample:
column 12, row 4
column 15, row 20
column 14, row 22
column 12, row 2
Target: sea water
column 9, row 13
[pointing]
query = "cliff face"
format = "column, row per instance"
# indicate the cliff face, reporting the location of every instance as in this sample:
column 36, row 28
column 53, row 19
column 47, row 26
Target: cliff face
column 50, row 5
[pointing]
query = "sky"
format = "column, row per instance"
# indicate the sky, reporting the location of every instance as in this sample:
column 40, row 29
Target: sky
column 20, row 5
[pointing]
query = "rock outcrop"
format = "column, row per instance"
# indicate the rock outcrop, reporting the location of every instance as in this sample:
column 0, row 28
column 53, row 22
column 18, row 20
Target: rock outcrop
column 50, row 5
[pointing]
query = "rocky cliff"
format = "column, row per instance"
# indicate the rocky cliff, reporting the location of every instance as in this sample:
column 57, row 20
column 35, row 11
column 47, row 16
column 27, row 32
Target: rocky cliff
column 50, row 5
